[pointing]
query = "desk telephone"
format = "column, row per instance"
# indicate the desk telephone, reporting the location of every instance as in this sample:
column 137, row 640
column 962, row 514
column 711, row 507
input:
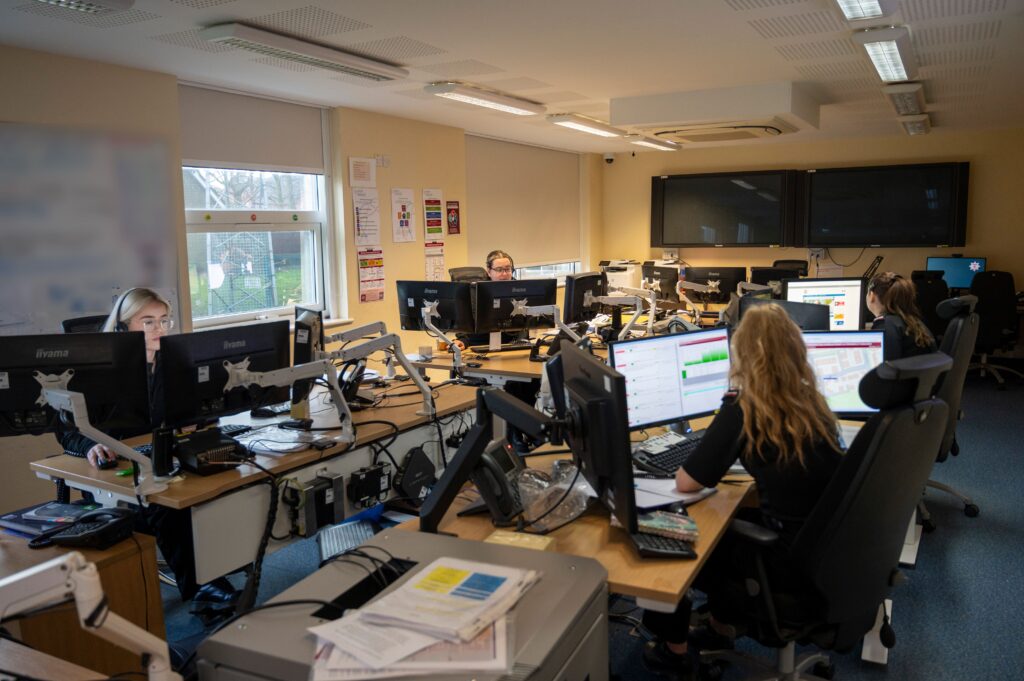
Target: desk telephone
column 97, row 529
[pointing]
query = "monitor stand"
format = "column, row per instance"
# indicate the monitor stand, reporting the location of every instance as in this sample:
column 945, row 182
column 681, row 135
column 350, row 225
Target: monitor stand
column 682, row 427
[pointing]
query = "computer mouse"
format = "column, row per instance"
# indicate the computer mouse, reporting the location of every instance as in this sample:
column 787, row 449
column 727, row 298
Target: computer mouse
column 678, row 508
column 262, row 413
column 106, row 464
column 474, row 365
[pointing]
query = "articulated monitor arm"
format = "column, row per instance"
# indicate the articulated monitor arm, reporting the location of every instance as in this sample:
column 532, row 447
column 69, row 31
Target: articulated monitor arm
column 429, row 311
column 391, row 341
column 71, row 576
column 240, row 376
column 541, row 310
column 650, row 296
column 621, row 301
column 57, row 396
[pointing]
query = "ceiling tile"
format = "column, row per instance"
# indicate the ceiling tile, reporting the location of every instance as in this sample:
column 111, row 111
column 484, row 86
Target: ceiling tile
column 514, row 84
column 788, row 26
column 820, row 49
column 745, row 5
column 955, row 34
column 307, row 22
column 458, row 69
column 397, row 49
column 191, row 40
column 978, row 53
column 201, row 4
column 557, row 97
column 104, row 20
column 924, row 10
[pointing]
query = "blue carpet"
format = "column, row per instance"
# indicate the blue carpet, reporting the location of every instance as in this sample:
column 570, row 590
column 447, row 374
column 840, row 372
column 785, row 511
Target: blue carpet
column 955, row 619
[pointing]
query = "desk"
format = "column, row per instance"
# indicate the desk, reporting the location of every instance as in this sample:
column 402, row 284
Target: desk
column 23, row 660
column 229, row 509
column 498, row 369
column 128, row 574
column 592, row 536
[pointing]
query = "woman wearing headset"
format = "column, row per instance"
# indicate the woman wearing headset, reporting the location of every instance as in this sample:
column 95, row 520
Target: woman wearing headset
column 145, row 310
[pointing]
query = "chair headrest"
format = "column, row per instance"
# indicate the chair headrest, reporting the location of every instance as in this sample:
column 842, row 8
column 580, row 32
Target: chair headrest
column 904, row 381
column 956, row 307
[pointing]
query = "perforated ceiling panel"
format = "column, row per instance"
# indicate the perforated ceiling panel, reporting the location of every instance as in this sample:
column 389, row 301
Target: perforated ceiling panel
column 395, row 50
column 514, row 84
column 106, row 20
column 792, row 25
column 839, row 69
column 977, row 53
column 819, row 49
column 923, row 10
column 954, row 34
column 191, row 39
column 458, row 69
column 744, row 5
column 201, row 4
column 307, row 22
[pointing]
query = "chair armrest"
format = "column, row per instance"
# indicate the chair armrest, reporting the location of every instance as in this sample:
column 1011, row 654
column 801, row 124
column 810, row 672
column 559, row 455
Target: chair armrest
column 752, row 532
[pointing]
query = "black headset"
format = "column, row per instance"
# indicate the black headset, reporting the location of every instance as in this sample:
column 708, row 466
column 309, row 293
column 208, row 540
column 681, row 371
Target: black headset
column 118, row 324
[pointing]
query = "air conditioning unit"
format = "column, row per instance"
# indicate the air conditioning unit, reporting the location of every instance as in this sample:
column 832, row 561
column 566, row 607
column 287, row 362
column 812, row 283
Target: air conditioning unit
column 730, row 131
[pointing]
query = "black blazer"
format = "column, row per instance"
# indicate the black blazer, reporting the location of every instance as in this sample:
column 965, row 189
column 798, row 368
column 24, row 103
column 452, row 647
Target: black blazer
column 898, row 343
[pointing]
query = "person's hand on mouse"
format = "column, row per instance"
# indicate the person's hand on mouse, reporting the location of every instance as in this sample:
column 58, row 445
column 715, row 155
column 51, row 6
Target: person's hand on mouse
column 100, row 453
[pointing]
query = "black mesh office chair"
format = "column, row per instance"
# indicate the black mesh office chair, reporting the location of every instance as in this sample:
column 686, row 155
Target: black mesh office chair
column 847, row 553
column 799, row 265
column 468, row 274
column 958, row 343
column 88, row 324
column 1000, row 326
column 930, row 291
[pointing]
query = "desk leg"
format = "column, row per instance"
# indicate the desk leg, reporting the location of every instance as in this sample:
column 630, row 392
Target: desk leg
column 873, row 650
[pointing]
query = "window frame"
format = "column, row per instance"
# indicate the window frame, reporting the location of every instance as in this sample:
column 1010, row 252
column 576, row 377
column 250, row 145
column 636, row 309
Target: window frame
column 577, row 267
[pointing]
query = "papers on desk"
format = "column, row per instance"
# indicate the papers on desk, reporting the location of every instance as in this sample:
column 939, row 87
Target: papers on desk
column 651, row 493
column 275, row 441
column 451, row 615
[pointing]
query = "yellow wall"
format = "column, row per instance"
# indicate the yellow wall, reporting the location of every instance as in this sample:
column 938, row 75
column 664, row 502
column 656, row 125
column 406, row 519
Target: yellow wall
column 421, row 155
column 995, row 196
column 46, row 89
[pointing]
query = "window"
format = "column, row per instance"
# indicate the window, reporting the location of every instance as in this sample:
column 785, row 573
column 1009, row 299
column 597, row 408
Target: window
column 255, row 243
column 556, row 270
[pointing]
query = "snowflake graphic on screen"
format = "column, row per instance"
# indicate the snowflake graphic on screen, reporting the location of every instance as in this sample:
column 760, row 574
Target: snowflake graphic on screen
column 975, row 266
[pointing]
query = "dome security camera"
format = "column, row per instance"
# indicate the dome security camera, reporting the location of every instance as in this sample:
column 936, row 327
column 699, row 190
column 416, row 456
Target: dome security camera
column 609, row 158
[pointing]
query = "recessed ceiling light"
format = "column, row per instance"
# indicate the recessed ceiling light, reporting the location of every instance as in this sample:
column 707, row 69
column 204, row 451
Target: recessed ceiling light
column 653, row 143
column 889, row 51
column 916, row 125
column 906, row 98
column 586, row 124
column 858, row 10
column 468, row 94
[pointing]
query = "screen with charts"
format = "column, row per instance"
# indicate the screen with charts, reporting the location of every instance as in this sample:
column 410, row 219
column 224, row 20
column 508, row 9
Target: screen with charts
column 840, row 359
column 844, row 297
column 670, row 378
column 958, row 272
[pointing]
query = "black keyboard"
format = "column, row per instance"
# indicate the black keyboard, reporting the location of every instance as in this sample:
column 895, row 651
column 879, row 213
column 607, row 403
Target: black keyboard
column 657, row 546
column 233, row 429
column 668, row 461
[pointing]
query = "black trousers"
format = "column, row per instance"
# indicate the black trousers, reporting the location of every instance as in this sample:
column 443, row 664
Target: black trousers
column 172, row 529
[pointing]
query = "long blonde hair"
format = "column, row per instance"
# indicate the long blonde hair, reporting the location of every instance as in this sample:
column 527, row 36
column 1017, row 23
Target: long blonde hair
column 898, row 296
column 781, row 405
column 130, row 303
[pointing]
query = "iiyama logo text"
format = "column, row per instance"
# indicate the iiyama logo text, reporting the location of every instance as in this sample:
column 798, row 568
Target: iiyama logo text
column 43, row 353
column 234, row 345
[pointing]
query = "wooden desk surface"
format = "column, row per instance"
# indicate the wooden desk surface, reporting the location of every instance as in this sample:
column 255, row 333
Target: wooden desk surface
column 20, row 659
column 592, row 536
column 195, row 489
column 515, row 364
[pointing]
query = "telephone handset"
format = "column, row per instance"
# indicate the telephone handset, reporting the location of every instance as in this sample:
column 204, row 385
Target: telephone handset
column 98, row 529
column 495, row 478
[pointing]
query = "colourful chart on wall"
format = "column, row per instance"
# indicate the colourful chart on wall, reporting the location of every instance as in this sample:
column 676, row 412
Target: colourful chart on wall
column 371, row 274
column 433, row 215
column 403, row 215
column 366, row 206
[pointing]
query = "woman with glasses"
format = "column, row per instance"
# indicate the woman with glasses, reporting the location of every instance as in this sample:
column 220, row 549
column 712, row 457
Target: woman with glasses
column 500, row 266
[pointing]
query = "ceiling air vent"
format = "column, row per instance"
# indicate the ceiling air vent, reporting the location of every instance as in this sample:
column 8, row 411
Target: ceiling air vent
column 733, row 131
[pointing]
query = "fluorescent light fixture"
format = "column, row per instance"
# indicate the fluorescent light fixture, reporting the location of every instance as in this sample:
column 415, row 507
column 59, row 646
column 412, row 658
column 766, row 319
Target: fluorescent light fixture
column 468, row 94
column 291, row 49
column 906, row 98
column 586, row 124
column 858, row 10
column 889, row 50
column 654, row 143
column 92, row 6
column 743, row 183
column 768, row 196
column 916, row 125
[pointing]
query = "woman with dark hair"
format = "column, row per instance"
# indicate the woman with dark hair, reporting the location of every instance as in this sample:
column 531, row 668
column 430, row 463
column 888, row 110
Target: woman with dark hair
column 500, row 266
column 783, row 432
column 891, row 298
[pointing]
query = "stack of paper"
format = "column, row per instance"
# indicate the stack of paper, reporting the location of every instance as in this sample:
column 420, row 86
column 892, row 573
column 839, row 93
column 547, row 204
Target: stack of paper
column 651, row 493
column 450, row 616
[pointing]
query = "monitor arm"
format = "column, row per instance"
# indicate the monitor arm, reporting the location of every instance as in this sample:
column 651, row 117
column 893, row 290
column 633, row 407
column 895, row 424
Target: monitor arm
column 651, row 296
column 72, row 577
column 240, row 376
column 490, row 402
column 620, row 301
column 357, row 333
column 429, row 311
column 710, row 287
column 541, row 310
column 56, row 395
column 389, row 341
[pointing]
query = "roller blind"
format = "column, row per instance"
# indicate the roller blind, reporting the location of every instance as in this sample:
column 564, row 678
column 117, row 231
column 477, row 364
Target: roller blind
column 523, row 200
column 223, row 129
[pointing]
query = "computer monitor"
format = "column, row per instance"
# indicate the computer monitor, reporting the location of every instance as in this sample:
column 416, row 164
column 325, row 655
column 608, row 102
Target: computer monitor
column 109, row 369
column 307, row 343
column 958, row 272
column 727, row 278
column 808, row 316
column 844, row 298
column 765, row 275
column 596, row 405
column 193, row 373
column 840, row 360
column 576, row 288
column 664, row 278
column 495, row 303
column 454, row 304
column 675, row 377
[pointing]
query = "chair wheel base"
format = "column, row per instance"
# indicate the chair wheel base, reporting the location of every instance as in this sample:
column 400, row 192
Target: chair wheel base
column 825, row 670
column 928, row 525
column 971, row 510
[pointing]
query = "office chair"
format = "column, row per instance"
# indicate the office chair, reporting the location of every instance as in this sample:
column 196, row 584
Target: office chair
column 846, row 555
column 1000, row 326
column 929, row 292
column 799, row 265
column 469, row 274
column 958, row 343
column 90, row 324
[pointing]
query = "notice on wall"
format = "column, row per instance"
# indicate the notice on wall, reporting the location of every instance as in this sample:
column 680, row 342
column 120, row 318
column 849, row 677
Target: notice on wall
column 433, row 215
column 403, row 215
column 454, row 221
column 434, row 258
column 366, row 206
column 362, row 172
column 371, row 274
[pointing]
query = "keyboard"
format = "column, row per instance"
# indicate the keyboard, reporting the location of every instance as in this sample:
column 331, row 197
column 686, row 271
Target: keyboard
column 233, row 429
column 505, row 347
column 340, row 538
column 657, row 546
column 667, row 461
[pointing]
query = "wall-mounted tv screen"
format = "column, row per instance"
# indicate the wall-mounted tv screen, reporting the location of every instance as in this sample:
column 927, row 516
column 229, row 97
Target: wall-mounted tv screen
column 908, row 205
column 723, row 209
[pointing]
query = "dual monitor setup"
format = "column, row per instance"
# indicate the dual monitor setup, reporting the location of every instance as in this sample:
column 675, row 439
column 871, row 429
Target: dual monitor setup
column 476, row 307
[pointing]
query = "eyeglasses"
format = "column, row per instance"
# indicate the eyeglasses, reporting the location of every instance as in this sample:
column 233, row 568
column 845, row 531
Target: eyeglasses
column 502, row 270
column 153, row 324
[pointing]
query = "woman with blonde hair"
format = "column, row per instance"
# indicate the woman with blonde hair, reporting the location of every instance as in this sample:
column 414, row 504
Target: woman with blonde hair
column 892, row 299
column 781, row 429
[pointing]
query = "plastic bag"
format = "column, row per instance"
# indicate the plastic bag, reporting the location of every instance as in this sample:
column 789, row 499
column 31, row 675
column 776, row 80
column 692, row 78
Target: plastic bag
column 546, row 504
